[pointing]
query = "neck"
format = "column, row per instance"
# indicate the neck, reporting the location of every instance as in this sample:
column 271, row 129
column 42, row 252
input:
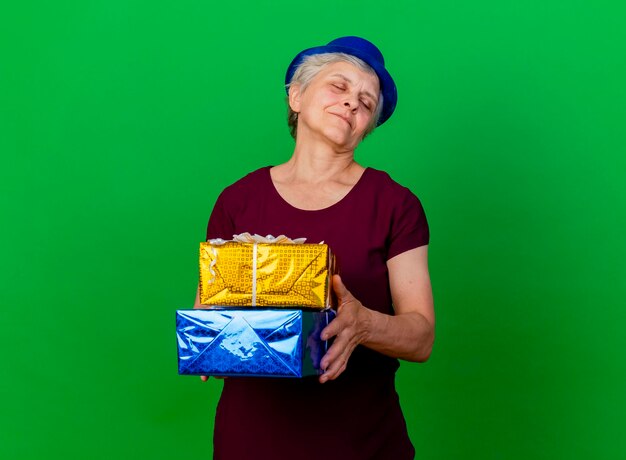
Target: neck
column 312, row 165
column 314, row 161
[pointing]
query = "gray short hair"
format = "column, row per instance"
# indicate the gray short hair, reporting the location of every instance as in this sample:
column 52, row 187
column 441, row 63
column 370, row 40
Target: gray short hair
column 310, row 67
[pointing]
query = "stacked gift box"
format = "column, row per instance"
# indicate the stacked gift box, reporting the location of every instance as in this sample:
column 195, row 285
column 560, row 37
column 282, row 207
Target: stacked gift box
column 265, row 302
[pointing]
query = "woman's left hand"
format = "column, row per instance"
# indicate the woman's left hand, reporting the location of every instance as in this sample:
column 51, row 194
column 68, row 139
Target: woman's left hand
column 348, row 328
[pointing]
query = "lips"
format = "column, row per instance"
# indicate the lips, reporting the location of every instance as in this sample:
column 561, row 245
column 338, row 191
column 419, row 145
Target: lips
column 346, row 119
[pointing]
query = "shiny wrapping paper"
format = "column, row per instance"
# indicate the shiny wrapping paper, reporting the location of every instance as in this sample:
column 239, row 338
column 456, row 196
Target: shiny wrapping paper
column 266, row 275
column 260, row 342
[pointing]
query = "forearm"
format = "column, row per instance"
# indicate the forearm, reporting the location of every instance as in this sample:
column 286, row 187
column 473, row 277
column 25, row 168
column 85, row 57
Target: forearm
column 408, row 336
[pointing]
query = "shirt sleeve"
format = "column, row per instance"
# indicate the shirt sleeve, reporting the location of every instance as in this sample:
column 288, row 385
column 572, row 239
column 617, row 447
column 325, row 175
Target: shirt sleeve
column 409, row 227
column 220, row 223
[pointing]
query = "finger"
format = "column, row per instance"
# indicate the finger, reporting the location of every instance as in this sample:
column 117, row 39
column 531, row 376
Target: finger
column 340, row 350
column 331, row 330
column 339, row 363
column 342, row 321
column 336, row 326
column 341, row 290
column 334, row 371
column 330, row 357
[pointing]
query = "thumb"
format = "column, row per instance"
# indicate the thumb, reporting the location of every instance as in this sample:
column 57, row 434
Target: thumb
column 343, row 295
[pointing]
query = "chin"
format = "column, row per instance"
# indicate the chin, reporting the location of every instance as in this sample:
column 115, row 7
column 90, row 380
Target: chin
column 338, row 137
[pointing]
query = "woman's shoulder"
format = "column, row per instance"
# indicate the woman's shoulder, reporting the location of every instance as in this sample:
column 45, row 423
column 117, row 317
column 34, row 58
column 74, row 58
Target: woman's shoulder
column 384, row 184
column 250, row 183
column 399, row 206
column 394, row 198
column 252, row 178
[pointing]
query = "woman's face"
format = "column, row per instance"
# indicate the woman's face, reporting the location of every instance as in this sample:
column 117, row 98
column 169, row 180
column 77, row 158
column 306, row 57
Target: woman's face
column 338, row 105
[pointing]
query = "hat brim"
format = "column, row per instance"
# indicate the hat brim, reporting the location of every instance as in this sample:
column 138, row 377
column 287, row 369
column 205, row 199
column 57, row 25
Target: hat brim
column 387, row 85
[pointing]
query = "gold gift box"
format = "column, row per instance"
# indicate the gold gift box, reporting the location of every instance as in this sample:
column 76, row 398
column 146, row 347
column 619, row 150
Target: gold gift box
column 263, row 275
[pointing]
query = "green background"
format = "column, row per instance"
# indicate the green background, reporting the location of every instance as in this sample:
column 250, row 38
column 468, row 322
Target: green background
column 120, row 122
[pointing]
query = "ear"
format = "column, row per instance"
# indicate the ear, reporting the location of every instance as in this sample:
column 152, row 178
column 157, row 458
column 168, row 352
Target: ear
column 294, row 97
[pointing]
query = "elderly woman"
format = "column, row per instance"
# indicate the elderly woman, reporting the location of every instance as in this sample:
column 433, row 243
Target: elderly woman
column 337, row 94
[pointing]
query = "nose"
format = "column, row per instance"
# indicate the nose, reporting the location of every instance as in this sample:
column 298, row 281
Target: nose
column 351, row 102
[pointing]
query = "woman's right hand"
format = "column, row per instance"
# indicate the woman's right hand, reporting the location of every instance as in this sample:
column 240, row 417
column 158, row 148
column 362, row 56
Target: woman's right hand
column 204, row 378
